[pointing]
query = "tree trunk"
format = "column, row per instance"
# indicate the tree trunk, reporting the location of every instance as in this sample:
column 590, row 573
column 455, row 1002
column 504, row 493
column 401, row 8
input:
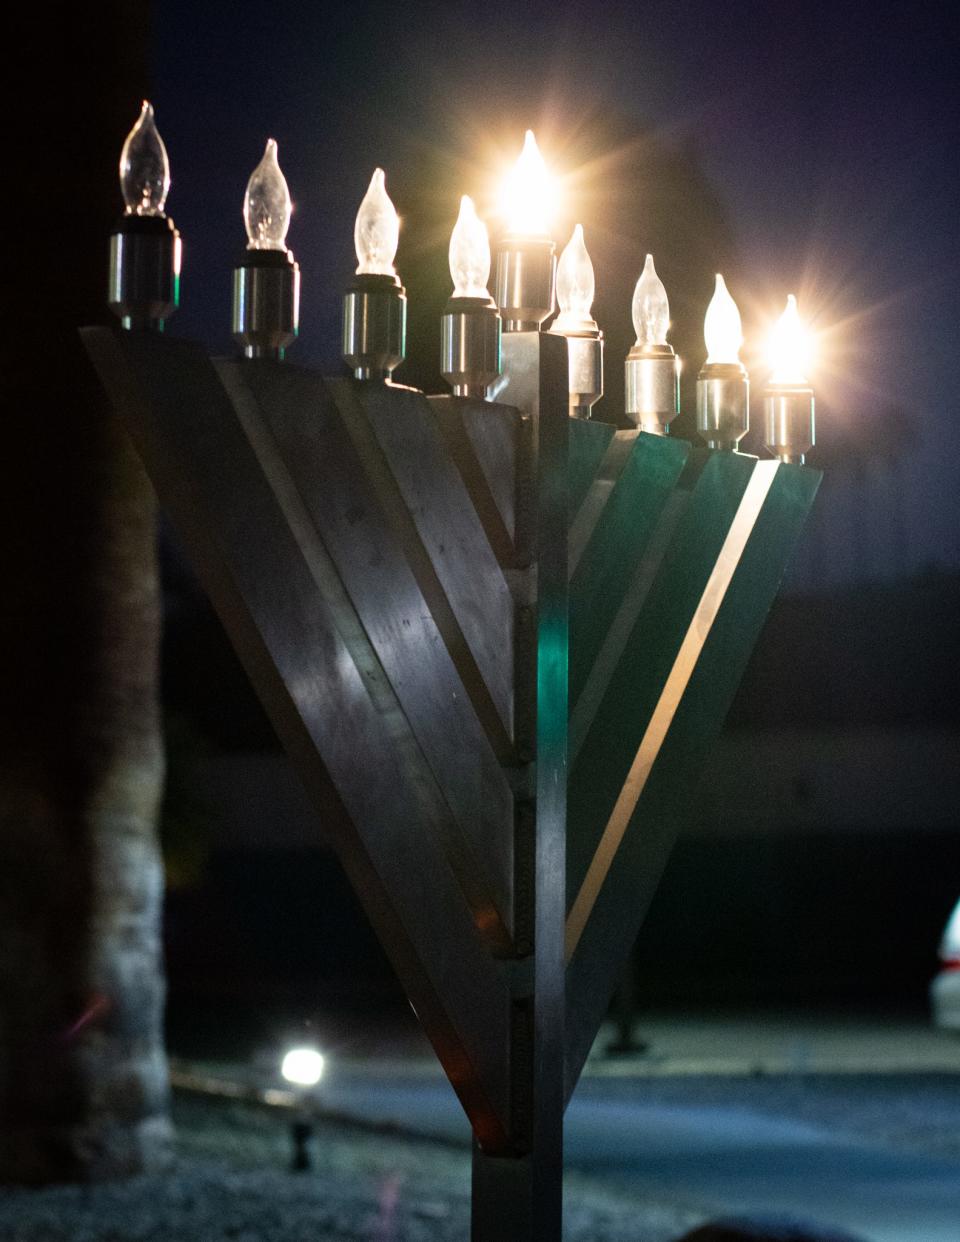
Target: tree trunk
column 83, row 1081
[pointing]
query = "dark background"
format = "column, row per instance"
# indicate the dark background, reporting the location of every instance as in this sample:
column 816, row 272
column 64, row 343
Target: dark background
column 799, row 148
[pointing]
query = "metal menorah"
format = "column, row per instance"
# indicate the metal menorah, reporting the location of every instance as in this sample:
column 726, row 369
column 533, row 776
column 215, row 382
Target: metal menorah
column 503, row 637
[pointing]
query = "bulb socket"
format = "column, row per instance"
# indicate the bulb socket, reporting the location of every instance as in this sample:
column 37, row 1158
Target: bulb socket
column 524, row 282
column 789, row 425
column 585, row 370
column 652, row 387
column 144, row 281
column 374, row 326
column 723, row 404
column 470, row 345
column 266, row 302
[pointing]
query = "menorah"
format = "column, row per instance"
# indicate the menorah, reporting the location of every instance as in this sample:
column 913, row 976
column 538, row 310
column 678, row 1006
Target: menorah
column 498, row 636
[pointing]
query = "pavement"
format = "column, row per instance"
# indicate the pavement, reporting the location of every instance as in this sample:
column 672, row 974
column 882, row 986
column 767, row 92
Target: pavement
column 851, row 1121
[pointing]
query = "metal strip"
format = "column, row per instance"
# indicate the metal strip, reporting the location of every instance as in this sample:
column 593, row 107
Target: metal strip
column 674, row 688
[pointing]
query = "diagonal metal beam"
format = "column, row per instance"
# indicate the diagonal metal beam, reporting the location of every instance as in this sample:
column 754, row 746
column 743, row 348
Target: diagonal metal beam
column 677, row 709
column 443, row 538
column 265, row 567
column 371, row 563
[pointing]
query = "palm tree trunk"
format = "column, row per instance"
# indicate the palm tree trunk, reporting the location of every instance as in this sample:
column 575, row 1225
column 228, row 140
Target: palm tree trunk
column 83, row 1082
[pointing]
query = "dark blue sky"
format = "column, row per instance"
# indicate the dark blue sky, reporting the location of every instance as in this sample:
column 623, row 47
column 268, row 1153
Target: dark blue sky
column 829, row 131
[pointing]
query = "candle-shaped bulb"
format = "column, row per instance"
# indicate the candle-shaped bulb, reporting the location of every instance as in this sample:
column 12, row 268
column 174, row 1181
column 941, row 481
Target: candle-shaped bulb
column 266, row 204
column 144, row 167
column 528, row 193
column 651, row 310
column 722, row 330
column 469, row 253
column 789, row 347
column 377, row 230
column 575, row 283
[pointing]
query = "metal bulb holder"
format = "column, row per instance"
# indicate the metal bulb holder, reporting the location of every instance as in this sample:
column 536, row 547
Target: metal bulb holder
column 144, row 283
column 652, row 387
column 374, row 326
column 470, row 358
column 266, row 303
column 525, row 282
column 585, row 359
column 788, row 421
column 723, row 404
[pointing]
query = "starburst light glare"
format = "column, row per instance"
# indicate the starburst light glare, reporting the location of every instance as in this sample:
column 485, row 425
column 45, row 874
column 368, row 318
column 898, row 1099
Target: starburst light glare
column 376, row 233
column 722, row 330
column 469, row 254
column 144, row 167
column 651, row 310
column 789, row 347
column 303, row 1067
column 576, row 284
column 528, row 193
column 266, row 204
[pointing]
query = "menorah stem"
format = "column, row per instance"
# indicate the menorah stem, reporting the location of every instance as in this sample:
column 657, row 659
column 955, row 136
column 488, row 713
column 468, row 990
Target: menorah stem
column 517, row 1197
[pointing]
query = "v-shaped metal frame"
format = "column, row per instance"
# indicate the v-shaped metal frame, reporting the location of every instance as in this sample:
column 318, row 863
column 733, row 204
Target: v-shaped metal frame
column 505, row 639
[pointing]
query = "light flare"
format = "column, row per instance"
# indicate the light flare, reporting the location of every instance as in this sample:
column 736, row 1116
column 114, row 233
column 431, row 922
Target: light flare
column 529, row 193
column 789, row 348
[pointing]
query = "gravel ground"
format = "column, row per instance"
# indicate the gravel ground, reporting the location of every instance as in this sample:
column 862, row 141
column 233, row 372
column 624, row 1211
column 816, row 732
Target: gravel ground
column 231, row 1181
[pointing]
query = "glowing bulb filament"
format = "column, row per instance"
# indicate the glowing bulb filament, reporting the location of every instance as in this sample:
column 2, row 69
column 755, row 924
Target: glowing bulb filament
column 575, row 284
column 722, row 330
column 144, row 167
column 789, row 347
column 266, row 204
column 469, row 254
column 651, row 310
column 528, row 193
column 377, row 230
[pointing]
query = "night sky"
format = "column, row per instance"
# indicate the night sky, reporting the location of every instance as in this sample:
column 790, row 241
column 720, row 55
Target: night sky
column 822, row 139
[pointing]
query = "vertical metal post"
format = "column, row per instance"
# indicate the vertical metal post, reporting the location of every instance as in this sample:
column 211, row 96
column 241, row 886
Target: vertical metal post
column 518, row 1197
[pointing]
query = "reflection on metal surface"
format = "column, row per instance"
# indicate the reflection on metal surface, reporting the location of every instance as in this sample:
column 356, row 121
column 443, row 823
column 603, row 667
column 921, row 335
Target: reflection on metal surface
column 604, row 666
column 677, row 680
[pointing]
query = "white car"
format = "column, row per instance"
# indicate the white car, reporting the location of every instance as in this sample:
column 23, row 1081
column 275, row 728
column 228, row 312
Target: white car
column 945, row 989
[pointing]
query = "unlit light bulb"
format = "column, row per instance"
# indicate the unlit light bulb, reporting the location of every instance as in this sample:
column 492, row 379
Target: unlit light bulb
column 528, row 193
column 266, row 204
column 789, row 347
column 469, row 254
column 722, row 330
column 376, row 233
column 651, row 310
column 575, row 283
column 144, row 167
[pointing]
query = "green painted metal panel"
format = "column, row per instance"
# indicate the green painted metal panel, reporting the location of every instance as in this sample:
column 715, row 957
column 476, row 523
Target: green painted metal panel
column 631, row 882
column 598, row 771
column 610, row 560
column 588, row 442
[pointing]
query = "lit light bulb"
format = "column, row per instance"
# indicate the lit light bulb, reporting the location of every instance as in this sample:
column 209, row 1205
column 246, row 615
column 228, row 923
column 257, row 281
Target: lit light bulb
column 528, row 192
column 303, row 1067
column 575, row 284
column 722, row 330
column 377, row 230
column 789, row 347
column 469, row 253
column 144, row 167
column 266, row 204
column 651, row 310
